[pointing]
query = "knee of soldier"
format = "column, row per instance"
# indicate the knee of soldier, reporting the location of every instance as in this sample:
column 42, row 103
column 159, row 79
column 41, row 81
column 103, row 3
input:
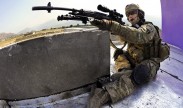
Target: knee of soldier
column 144, row 72
column 141, row 74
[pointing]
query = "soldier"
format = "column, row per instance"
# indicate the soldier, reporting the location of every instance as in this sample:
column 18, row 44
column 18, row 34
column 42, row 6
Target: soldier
column 136, row 66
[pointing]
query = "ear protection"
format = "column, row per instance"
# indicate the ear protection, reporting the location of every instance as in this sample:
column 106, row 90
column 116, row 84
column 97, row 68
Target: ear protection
column 141, row 14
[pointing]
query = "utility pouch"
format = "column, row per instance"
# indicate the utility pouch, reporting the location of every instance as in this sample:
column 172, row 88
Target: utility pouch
column 164, row 51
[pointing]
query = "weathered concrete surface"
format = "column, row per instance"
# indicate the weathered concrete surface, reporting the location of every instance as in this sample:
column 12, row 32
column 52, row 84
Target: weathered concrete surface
column 50, row 65
column 163, row 92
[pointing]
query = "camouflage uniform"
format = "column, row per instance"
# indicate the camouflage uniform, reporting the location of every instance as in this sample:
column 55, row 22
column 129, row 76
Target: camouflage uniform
column 123, row 83
column 137, row 40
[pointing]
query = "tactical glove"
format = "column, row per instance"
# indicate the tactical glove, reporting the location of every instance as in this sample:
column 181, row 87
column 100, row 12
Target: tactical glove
column 101, row 24
column 117, row 52
column 103, row 81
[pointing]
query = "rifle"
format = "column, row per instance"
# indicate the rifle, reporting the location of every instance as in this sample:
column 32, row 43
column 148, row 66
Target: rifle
column 83, row 15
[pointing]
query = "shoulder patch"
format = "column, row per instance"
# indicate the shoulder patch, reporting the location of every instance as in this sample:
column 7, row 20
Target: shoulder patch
column 149, row 29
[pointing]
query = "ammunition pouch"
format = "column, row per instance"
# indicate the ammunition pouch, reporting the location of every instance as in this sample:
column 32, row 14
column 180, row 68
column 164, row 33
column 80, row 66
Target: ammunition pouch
column 157, row 49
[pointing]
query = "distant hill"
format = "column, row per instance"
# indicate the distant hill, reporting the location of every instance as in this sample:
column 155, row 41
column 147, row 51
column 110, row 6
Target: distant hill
column 6, row 35
column 50, row 24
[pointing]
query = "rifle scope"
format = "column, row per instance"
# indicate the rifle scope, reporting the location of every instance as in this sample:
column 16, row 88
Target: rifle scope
column 105, row 9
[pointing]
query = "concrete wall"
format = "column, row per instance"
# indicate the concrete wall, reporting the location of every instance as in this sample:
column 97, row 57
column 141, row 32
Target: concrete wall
column 49, row 65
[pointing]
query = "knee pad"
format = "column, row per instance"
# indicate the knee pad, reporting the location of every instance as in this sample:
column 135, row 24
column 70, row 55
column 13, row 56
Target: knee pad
column 141, row 74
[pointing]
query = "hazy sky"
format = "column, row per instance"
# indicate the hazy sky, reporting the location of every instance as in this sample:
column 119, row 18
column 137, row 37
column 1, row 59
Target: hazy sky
column 17, row 14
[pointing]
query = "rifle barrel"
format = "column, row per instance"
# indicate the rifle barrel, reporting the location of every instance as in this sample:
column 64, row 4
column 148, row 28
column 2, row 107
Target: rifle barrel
column 52, row 8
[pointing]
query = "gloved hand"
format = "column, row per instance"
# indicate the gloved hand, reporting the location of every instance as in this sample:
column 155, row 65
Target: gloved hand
column 103, row 81
column 117, row 52
column 101, row 24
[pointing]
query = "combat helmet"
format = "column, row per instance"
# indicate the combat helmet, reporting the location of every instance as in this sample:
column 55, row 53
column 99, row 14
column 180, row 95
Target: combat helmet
column 133, row 7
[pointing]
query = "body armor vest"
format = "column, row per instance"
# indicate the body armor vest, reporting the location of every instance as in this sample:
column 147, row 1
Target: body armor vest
column 145, row 51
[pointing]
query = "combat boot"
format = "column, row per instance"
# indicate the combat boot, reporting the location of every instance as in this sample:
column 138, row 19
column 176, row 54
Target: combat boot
column 98, row 98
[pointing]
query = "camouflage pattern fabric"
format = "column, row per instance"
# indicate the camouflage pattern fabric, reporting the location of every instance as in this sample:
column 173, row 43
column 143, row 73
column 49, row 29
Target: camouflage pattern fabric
column 98, row 97
column 122, row 83
column 137, row 38
column 121, row 62
column 121, row 87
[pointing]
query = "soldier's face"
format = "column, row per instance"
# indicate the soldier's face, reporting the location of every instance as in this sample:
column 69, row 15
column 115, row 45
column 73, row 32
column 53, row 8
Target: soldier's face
column 133, row 17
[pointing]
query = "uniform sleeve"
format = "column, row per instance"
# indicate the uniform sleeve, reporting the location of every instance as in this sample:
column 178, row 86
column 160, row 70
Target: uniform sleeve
column 142, row 35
